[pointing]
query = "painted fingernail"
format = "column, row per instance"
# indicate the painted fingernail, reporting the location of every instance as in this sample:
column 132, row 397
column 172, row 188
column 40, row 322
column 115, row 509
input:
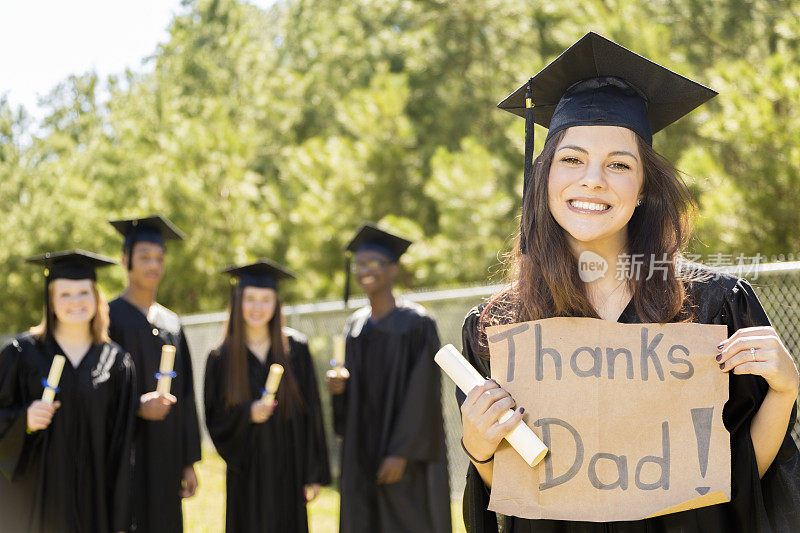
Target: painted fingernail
column 719, row 346
column 522, row 410
column 721, row 366
column 719, row 357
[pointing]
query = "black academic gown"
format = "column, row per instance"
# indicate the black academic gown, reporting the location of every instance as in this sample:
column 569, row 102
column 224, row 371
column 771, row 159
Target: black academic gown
column 392, row 407
column 269, row 463
column 163, row 447
column 769, row 504
column 74, row 476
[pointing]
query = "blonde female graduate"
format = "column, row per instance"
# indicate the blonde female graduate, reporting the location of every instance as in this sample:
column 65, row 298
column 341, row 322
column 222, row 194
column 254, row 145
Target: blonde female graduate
column 67, row 465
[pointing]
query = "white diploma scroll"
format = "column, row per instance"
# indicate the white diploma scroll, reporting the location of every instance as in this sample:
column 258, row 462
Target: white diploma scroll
column 53, row 378
column 165, row 369
column 271, row 386
column 339, row 346
column 521, row 438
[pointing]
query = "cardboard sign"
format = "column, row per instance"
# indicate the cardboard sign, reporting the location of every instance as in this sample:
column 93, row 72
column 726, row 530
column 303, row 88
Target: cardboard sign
column 632, row 414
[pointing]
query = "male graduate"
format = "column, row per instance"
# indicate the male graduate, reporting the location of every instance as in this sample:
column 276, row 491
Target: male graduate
column 387, row 404
column 167, row 434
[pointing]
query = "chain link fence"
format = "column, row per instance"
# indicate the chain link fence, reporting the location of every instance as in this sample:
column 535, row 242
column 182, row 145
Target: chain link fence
column 777, row 285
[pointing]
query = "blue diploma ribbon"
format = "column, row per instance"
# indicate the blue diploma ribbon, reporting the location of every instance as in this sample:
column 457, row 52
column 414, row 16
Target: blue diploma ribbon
column 172, row 375
column 47, row 385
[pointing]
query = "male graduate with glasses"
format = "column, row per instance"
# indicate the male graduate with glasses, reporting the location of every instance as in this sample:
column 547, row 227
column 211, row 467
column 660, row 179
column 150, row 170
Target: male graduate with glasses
column 167, row 434
column 387, row 403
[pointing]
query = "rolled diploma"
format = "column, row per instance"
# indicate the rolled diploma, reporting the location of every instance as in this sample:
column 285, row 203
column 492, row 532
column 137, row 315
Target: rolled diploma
column 271, row 386
column 164, row 368
column 53, row 378
column 339, row 345
column 521, row 438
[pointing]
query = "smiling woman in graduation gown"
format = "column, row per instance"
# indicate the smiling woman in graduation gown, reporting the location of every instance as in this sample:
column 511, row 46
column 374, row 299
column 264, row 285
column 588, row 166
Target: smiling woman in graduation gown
column 599, row 185
column 73, row 475
column 276, row 454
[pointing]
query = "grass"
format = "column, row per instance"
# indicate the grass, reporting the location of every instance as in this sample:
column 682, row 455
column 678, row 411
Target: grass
column 205, row 512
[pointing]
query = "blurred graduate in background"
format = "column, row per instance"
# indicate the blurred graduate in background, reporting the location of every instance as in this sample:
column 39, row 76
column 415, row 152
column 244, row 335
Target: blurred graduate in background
column 66, row 466
column 275, row 451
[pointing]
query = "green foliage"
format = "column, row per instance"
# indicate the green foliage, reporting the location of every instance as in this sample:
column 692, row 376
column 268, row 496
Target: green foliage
column 277, row 133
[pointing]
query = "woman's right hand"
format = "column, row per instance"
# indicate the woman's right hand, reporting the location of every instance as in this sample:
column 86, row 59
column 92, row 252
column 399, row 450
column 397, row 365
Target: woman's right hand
column 40, row 414
column 260, row 411
column 480, row 412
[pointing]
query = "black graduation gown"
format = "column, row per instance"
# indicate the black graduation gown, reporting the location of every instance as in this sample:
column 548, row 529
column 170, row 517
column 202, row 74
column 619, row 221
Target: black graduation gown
column 164, row 447
column 769, row 504
column 392, row 407
column 74, row 476
column 268, row 463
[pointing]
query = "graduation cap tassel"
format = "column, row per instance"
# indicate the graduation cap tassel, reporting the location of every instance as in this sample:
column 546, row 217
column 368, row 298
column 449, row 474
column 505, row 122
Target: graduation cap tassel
column 48, row 322
column 131, row 241
column 528, row 171
column 233, row 292
column 346, row 279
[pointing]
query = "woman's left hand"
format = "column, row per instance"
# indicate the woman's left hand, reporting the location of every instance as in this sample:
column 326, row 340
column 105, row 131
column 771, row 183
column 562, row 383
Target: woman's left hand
column 311, row 491
column 759, row 351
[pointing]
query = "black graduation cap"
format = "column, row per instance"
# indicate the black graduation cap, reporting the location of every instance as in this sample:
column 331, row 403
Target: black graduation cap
column 155, row 229
column 68, row 264
column 371, row 237
column 598, row 82
column 263, row 273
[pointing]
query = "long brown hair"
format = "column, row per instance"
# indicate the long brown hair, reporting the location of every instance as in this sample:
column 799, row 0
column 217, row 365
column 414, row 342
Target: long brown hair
column 233, row 351
column 544, row 281
column 98, row 326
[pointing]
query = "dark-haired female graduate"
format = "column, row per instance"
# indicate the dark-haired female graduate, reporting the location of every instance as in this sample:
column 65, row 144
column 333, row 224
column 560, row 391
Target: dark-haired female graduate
column 167, row 434
column 276, row 454
column 67, row 465
column 598, row 186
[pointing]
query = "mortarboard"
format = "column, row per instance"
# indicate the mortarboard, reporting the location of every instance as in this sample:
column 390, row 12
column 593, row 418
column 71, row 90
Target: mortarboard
column 263, row 273
column 71, row 264
column 155, row 229
column 598, row 82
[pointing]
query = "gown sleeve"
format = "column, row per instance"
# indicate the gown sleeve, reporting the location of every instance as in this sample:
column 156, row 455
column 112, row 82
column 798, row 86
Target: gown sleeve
column 477, row 517
column 230, row 428
column 13, row 407
column 189, row 425
column 417, row 432
column 120, row 449
column 771, row 503
column 315, row 467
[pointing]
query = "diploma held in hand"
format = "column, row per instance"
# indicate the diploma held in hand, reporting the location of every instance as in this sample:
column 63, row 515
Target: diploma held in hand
column 271, row 386
column 521, row 438
column 53, row 378
column 339, row 347
column 165, row 373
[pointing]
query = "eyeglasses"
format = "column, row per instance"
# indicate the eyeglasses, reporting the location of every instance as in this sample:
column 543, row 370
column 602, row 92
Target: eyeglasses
column 371, row 265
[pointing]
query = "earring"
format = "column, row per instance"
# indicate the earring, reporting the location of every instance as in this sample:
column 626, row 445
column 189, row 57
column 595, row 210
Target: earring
column 638, row 202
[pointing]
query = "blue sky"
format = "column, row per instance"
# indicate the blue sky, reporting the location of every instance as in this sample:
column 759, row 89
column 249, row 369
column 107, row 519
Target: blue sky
column 44, row 41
